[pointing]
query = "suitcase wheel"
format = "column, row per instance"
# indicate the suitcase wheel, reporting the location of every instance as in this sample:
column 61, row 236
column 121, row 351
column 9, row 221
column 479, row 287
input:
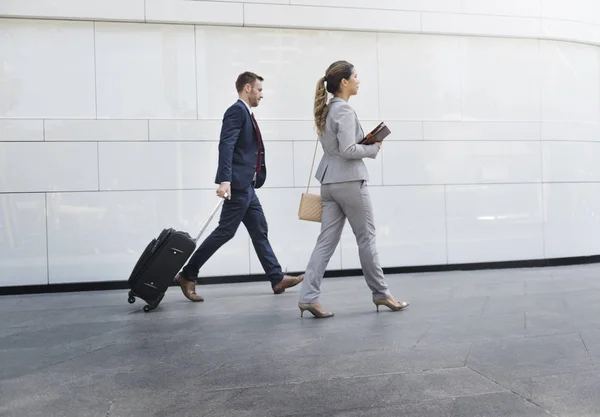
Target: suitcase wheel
column 131, row 298
column 154, row 304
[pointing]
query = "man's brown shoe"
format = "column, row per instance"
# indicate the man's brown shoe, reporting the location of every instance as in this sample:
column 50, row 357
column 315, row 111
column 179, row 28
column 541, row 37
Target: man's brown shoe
column 188, row 288
column 287, row 282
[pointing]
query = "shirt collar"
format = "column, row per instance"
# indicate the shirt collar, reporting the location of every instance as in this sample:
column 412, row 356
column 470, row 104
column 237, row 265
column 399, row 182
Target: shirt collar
column 246, row 104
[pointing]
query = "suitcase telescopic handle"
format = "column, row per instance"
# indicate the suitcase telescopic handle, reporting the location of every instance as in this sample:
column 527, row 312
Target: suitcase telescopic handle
column 217, row 207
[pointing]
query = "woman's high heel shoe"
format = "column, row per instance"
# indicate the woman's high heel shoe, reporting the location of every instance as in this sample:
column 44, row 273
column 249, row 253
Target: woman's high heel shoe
column 315, row 309
column 391, row 303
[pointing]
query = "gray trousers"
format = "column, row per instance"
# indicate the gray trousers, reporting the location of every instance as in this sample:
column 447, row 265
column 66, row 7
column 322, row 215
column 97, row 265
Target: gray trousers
column 349, row 200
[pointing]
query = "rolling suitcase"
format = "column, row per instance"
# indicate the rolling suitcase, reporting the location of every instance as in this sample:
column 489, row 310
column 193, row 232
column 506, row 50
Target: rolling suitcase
column 162, row 259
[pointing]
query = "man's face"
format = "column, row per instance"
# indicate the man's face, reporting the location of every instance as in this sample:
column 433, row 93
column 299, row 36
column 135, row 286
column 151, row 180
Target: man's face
column 254, row 93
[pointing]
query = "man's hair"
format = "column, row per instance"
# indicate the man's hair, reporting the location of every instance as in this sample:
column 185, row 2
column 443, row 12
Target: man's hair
column 246, row 78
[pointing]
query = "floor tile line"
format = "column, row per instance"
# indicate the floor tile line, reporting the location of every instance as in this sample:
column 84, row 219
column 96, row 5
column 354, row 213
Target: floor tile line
column 431, row 324
column 487, row 300
column 341, row 378
column 587, row 350
column 469, row 354
column 539, row 336
column 111, row 404
column 529, row 400
column 213, row 409
column 52, row 365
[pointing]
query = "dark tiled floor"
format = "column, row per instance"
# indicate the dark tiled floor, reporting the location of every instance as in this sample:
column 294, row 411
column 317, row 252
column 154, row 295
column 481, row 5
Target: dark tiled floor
column 513, row 343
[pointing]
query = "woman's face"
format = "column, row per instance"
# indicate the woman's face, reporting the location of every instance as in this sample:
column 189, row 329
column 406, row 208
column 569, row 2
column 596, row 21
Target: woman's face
column 351, row 84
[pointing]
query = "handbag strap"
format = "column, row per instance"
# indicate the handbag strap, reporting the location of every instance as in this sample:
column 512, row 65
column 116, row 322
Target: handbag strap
column 312, row 165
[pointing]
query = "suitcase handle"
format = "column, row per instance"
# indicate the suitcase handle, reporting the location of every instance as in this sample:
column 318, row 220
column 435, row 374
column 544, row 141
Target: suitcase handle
column 217, row 207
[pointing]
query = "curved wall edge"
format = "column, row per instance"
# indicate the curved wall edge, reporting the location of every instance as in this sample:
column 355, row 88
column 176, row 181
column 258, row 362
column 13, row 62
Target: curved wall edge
column 524, row 19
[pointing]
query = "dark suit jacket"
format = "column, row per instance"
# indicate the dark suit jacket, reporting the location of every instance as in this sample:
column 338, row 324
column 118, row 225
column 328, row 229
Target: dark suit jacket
column 238, row 150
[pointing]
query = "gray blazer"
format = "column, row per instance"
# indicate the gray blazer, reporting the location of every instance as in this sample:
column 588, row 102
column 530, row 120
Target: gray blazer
column 343, row 156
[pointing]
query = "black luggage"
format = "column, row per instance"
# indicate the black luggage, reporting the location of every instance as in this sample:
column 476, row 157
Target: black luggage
column 162, row 259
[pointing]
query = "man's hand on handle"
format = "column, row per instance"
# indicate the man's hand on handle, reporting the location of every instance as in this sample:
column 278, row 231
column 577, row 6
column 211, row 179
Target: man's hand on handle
column 224, row 191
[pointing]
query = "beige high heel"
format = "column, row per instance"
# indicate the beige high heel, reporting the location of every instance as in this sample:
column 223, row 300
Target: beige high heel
column 391, row 303
column 315, row 309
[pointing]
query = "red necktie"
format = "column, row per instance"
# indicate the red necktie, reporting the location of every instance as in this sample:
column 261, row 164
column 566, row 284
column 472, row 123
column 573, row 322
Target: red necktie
column 258, row 135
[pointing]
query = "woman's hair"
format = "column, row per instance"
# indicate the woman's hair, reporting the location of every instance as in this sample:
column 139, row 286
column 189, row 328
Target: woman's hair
column 336, row 72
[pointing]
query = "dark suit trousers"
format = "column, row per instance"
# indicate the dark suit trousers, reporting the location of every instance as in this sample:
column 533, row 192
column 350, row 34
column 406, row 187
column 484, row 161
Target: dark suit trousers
column 245, row 207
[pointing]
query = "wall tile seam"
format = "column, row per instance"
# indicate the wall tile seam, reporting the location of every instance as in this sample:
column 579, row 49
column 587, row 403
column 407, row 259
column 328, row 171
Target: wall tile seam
column 574, row 39
column 147, row 125
column 301, row 188
column 270, row 120
column 143, row 13
column 144, row 19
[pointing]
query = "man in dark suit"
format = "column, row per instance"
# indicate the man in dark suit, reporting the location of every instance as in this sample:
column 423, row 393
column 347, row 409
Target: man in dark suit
column 241, row 169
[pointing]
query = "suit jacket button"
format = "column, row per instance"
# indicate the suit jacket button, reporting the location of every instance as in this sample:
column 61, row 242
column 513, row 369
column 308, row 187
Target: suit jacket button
column 254, row 166
column 255, row 153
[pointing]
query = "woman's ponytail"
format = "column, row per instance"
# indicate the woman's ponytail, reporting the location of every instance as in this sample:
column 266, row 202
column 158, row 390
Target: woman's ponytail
column 320, row 107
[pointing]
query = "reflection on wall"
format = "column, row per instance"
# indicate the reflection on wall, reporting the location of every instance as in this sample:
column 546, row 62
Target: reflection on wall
column 23, row 259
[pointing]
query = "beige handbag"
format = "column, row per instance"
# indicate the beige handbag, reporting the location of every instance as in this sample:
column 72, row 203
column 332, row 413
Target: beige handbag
column 311, row 206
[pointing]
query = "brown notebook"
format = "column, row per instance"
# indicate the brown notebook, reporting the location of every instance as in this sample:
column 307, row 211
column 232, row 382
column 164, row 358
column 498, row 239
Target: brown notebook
column 376, row 135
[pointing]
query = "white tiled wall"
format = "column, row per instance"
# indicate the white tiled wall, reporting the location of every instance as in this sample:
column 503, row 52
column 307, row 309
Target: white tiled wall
column 496, row 222
column 96, row 236
column 109, row 127
column 145, row 71
column 51, row 78
column 458, row 162
column 48, row 166
column 23, row 258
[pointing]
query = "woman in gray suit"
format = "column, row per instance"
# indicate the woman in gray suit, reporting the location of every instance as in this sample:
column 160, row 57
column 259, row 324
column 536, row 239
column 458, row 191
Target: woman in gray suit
column 343, row 176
